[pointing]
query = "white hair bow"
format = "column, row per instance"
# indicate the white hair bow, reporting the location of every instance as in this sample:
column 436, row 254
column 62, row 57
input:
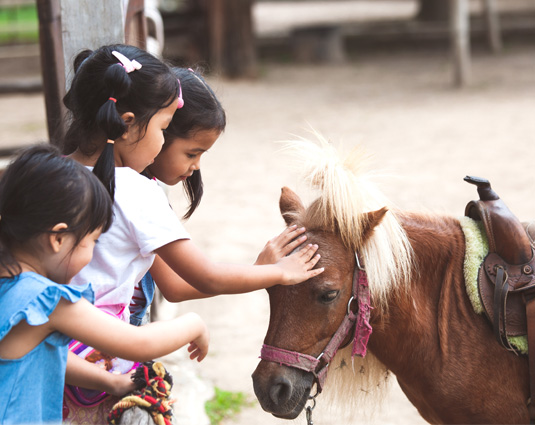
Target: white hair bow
column 128, row 65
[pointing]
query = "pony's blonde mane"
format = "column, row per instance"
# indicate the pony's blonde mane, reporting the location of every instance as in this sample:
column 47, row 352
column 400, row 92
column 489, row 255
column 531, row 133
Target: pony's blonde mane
column 346, row 193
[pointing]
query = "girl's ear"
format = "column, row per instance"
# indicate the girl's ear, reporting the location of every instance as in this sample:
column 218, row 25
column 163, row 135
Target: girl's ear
column 57, row 236
column 129, row 119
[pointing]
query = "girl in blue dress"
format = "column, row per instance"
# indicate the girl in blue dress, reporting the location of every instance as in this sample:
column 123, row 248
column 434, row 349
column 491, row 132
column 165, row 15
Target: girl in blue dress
column 52, row 211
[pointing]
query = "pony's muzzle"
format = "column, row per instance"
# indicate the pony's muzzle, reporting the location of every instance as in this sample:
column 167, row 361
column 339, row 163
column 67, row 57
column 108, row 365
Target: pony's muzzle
column 281, row 391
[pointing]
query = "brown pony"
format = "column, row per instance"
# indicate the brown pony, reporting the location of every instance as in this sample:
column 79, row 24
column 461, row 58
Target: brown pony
column 425, row 330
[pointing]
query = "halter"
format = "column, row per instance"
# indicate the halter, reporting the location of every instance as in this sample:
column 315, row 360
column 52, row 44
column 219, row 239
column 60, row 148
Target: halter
column 318, row 365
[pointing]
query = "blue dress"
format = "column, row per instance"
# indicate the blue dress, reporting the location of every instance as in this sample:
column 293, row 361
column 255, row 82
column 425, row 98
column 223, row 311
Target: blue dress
column 32, row 386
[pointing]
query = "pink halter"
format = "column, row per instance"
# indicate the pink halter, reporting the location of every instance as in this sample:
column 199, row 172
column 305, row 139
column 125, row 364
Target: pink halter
column 318, row 366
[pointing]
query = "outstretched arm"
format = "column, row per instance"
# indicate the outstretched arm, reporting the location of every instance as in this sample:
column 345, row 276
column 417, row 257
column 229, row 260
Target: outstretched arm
column 171, row 285
column 188, row 261
column 86, row 323
column 176, row 289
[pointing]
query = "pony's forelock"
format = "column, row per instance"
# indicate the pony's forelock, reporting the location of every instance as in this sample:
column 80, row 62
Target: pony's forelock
column 346, row 192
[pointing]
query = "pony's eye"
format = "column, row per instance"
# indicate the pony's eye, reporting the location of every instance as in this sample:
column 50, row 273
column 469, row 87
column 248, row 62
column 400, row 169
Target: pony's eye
column 329, row 296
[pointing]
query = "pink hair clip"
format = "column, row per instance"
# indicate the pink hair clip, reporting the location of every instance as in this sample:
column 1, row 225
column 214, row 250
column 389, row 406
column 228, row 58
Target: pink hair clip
column 128, row 65
column 180, row 103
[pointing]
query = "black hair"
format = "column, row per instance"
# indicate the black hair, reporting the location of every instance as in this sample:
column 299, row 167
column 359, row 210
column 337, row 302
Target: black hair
column 102, row 90
column 40, row 189
column 201, row 111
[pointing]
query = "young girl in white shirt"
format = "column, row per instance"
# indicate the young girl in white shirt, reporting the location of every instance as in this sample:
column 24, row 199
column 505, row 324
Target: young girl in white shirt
column 121, row 100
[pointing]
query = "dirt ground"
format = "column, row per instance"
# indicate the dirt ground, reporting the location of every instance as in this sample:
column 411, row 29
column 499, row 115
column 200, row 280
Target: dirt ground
column 425, row 137
column 399, row 104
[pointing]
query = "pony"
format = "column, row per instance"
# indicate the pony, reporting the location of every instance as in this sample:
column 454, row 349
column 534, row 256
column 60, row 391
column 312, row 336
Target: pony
column 424, row 327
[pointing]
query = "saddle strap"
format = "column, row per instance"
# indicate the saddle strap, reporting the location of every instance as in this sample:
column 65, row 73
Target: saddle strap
column 500, row 302
column 530, row 313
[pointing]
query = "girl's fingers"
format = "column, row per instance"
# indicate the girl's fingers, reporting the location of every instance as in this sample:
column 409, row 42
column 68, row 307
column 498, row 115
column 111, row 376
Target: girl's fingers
column 288, row 235
column 308, row 252
column 314, row 272
column 293, row 244
column 313, row 261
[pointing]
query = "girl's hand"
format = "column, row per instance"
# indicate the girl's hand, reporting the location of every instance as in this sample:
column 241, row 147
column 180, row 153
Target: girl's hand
column 299, row 266
column 281, row 245
column 199, row 347
column 121, row 385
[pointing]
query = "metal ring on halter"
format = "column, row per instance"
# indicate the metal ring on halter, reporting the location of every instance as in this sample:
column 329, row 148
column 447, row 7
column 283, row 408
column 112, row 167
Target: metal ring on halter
column 349, row 304
column 358, row 262
column 313, row 397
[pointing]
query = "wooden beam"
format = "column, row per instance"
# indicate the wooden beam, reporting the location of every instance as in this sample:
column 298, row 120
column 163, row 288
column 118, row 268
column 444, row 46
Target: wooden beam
column 460, row 40
column 52, row 66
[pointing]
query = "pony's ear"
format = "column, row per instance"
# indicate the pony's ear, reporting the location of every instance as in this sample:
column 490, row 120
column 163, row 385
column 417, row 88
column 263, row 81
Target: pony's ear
column 290, row 205
column 373, row 218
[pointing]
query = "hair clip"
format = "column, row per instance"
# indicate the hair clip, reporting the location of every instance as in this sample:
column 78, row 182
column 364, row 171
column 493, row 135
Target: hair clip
column 113, row 99
column 111, row 142
column 128, row 65
column 180, row 103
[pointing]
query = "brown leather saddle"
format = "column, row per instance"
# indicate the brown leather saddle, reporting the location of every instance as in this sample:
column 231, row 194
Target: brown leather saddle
column 506, row 279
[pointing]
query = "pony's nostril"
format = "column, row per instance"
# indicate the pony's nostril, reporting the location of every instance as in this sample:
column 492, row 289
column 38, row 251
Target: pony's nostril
column 280, row 391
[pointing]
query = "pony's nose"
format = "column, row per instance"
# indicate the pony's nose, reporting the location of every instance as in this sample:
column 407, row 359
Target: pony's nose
column 281, row 391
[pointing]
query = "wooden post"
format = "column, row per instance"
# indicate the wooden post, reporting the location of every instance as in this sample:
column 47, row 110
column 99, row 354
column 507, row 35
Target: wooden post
column 493, row 25
column 89, row 24
column 460, row 39
column 232, row 48
column 52, row 66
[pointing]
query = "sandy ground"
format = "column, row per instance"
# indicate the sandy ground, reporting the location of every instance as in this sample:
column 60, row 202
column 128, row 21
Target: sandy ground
column 425, row 137
column 399, row 104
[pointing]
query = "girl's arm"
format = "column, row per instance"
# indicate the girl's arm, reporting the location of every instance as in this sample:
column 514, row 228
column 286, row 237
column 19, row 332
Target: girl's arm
column 211, row 278
column 84, row 374
column 86, row 323
column 172, row 286
column 176, row 289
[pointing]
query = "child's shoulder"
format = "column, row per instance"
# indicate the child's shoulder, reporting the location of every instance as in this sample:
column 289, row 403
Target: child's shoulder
column 127, row 177
column 33, row 297
column 134, row 188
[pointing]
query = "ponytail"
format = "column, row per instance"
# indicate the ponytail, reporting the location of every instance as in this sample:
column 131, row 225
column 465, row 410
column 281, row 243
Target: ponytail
column 109, row 120
column 104, row 168
column 109, row 82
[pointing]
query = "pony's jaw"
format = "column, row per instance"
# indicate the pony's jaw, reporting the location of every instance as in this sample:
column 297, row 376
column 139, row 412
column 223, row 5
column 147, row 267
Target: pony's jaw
column 281, row 391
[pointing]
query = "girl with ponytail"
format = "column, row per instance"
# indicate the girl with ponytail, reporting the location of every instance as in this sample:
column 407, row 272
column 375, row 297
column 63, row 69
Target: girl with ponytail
column 121, row 101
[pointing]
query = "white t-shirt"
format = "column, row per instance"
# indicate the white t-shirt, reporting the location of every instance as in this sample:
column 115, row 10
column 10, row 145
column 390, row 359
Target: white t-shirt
column 143, row 222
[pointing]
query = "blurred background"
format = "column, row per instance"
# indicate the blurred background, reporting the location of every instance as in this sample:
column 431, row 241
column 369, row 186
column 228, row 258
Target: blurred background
column 434, row 89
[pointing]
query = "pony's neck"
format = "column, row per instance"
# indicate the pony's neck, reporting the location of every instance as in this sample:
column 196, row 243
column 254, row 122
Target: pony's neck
column 410, row 317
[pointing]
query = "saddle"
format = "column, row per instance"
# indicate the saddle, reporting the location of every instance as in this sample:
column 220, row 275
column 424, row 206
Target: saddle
column 506, row 279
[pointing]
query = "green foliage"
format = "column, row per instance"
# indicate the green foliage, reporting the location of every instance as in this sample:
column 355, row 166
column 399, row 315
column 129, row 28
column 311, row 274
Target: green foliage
column 19, row 24
column 224, row 405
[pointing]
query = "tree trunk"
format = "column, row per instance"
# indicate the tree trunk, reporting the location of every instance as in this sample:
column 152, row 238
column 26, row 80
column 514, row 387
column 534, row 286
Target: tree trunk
column 434, row 10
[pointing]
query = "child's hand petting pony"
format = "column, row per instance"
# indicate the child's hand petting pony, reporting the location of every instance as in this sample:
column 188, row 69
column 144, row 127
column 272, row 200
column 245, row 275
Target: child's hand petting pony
column 281, row 245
